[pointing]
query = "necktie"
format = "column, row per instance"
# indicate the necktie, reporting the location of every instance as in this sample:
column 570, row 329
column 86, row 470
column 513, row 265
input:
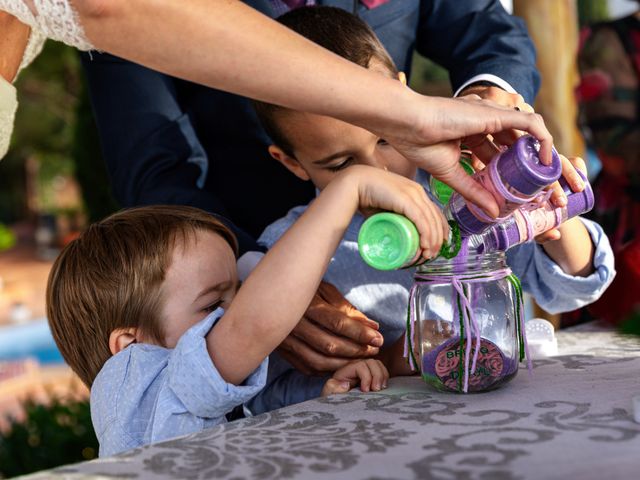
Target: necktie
column 294, row 3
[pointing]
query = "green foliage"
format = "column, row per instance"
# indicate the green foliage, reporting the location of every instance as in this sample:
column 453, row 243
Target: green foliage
column 52, row 435
column 428, row 77
column 47, row 93
column 592, row 11
column 7, row 238
column 632, row 324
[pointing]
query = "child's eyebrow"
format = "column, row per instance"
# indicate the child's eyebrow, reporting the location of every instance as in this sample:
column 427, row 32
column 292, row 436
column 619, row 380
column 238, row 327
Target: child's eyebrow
column 213, row 288
column 333, row 156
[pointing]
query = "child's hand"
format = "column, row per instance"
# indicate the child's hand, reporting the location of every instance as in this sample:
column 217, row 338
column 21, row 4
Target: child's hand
column 379, row 189
column 558, row 197
column 370, row 374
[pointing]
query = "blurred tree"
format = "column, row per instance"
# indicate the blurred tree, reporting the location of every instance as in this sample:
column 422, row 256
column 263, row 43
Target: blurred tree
column 48, row 92
column 54, row 137
column 591, row 11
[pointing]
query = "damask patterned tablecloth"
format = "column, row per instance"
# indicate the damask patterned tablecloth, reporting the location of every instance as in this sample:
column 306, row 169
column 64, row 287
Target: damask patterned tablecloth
column 572, row 419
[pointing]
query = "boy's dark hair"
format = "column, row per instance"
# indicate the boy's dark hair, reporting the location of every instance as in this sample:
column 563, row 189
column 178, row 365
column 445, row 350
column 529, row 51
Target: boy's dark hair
column 339, row 32
column 111, row 277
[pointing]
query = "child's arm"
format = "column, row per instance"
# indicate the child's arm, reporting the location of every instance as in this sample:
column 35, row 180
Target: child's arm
column 277, row 293
column 570, row 246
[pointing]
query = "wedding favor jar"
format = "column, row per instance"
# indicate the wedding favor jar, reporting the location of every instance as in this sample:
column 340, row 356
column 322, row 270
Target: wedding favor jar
column 464, row 331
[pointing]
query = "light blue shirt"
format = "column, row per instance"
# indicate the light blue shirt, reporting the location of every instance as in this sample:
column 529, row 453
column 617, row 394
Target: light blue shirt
column 384, row 295
column 147, row 393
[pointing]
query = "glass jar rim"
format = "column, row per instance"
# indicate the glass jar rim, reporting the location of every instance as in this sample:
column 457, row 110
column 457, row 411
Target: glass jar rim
column 480, row 262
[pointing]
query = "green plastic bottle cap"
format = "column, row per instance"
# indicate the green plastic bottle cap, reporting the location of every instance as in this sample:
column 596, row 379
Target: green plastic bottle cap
column 441, row 190
column 388, row 241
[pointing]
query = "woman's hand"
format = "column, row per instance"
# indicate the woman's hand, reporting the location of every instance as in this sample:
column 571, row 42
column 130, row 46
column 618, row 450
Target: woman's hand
column 468, row 120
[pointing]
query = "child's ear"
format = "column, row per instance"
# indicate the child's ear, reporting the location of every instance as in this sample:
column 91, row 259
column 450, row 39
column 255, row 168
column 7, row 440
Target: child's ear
column 121, row 338
column 289, row 162
column 403, row 78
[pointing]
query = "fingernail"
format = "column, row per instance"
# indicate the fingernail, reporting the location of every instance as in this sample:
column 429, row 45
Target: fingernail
column 578, row 185
column 376, row 387
column 345, row 385
column 384, row 385
column 377, row 341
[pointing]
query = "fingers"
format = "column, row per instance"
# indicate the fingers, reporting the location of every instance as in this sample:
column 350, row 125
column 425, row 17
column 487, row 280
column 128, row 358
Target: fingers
column 482, row 147
column 548, row 236
column 309, row 359
column 331, row 345
column 471, row 190
column 371, row 374
column 559, row 197
column 334, row 386
column 356, row 327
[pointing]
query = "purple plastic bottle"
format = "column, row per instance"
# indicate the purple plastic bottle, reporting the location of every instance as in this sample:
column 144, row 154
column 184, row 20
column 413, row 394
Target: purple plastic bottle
column 514, row 178
column 525, row 224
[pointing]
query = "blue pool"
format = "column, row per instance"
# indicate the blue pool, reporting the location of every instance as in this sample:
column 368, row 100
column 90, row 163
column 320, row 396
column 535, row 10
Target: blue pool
column 30, row 340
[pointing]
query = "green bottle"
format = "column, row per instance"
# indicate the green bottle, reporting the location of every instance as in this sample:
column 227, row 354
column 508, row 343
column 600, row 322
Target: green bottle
column 389, row 241
column 441, row 190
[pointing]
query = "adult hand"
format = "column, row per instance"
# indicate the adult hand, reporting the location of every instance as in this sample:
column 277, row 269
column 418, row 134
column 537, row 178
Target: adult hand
column 464, row 117
column 330, row 335
column 485, row 147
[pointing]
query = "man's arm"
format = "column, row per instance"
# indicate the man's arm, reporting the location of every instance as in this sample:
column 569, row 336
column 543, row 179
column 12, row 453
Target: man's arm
column 473, row 38
column 149, row 144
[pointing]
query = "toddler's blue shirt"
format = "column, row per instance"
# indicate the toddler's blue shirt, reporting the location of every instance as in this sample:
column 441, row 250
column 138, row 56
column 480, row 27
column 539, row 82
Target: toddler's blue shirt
column 147, row 393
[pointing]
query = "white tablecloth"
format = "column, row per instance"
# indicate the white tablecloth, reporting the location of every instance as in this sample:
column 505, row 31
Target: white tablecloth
column 571, row 420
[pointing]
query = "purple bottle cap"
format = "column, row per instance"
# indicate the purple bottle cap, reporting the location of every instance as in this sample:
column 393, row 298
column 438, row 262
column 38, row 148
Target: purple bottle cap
column 520, row 167
column 578, row 202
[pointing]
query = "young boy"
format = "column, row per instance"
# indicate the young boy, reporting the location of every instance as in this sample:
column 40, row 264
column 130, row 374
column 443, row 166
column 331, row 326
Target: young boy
column 565, row 273
column 146, row 308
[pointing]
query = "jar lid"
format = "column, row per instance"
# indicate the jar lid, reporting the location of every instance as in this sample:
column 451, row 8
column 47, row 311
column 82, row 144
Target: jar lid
column 388, row 241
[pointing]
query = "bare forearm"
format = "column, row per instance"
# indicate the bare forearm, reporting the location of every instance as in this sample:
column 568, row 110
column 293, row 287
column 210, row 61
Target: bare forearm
column 279, row 290
column 232, row 47
column 13, row 41
column 573, row 252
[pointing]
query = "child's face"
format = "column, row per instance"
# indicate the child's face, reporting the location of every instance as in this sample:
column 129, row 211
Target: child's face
column 201, row 277
column 324, row 145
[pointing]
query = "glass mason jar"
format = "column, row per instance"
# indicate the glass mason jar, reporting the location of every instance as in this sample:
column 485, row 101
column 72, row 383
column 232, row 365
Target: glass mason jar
column 465, row 323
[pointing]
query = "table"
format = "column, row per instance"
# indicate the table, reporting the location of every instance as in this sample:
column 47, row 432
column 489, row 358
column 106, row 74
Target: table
column 571, row 420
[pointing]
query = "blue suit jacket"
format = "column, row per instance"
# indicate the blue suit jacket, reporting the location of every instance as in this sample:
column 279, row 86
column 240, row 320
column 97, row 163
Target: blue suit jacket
column 170, row 141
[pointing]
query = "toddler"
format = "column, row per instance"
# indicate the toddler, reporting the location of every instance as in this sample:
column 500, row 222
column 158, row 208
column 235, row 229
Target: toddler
column 146, row 307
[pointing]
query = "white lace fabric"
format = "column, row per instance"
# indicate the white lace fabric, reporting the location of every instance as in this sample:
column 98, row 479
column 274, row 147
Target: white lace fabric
column 8, row 106
column 55, row 19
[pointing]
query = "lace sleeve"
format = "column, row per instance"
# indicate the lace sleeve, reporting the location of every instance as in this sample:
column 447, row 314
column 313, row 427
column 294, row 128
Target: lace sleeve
column 8, row 106
column 53, row 19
